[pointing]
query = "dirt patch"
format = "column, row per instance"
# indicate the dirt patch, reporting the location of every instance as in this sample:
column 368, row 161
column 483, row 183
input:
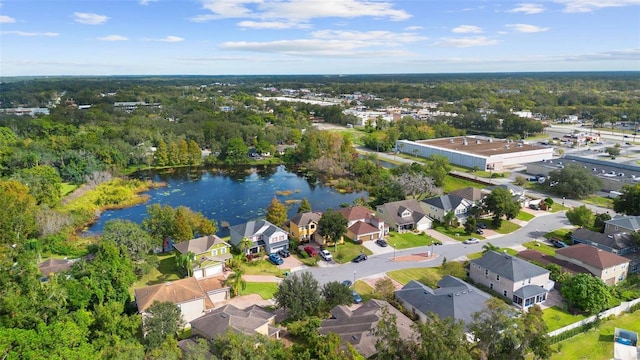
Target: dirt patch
column 371, row 281
column 416, row 257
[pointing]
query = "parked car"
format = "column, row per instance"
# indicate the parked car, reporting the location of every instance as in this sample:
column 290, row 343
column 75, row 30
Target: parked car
column 326, row 255
column 480, row 231
column 482, row 225
column 381, row 243
column 534, row 206
column 347, row 283
column 359, row 258
column 559, row 244
column 284, row 253
column 311, row 250
column 356, row 298
column 472, row 241
column 276, row 259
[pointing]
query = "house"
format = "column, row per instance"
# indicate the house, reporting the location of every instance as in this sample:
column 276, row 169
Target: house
column 355, row 326
column 363, row 224
column 192, row 296
column 404, row 215
column 470, row 193
column 620, row 243
column 517, row 192
column 524, row 283
column 437, row 207
column 453, row 298
column 303, row 226
column 252, row 320
column 543, row 259
column 210, row 252
column 262, row 233
column 54, row 266
column 611, row 268
column 627, row 224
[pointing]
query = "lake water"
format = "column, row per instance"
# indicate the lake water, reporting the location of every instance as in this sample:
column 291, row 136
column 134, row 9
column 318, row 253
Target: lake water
column 234, row 197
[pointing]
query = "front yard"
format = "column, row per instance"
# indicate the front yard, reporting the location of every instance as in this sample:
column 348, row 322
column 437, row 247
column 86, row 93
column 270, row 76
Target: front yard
column 525, row 216
column 347, row 251
column 408, row 240
column 429, row 276
column 541, row 247
column 506, row 227
column 458, row 233
column 262, row 267
column 557, row 234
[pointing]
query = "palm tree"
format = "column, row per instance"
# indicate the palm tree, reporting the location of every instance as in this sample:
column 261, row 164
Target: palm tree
column 489, row 247
column 245, row 244
column 236, row 282
column 236, row 261
column 185, row 261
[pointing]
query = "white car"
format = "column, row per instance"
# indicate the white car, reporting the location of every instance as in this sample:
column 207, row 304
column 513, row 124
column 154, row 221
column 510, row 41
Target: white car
column 326, row 255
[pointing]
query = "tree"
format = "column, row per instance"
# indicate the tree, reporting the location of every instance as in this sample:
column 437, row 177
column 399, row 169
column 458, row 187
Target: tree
column 44, row 183
column 629, row 202
column 162, row 320
column 418, row 185
column 182, row 228
column 160, row 221
column 276, row 212
column 235, row 152
column 501, row 203
column 520, row 180
column 195, row 154
column 471, row 224
column 384, row 288
column 581, row 216
column 334, row 294
column 549, row 202
column 449, row 219
column 185, row 261
column 587, row 292
column 489, row 247
column 498, row 331
column 236, row 282
column 574, row 181
column 438, row 168
column 299, row 296
column 332, row 225
column 130, row 235
column 237, row 346
column 17, row 222
column 613, row 151
column 535, row 333
column 245, row 244
column 161, row 155
column 305, row 206
column 599, row 221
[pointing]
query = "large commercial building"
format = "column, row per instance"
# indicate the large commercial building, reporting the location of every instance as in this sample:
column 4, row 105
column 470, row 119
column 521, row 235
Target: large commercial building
column 478, row 151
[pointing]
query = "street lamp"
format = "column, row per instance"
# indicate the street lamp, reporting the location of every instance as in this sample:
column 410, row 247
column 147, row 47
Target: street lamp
column 354, row 277
column 563, row 200
column 394, row 252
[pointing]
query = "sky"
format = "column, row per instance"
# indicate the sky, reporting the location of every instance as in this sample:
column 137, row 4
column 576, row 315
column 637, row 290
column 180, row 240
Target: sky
column 259, row 37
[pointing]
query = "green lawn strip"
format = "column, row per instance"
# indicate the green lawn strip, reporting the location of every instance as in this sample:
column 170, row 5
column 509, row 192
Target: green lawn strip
column 596, row 344
column 365, row 290
column 458, row 233
column 262, row 267
column 525, row 216
column 452, row 183
column 506, row 227
column 556, row 318
column 478, row 255
column 67, row 189
column 429, row 276
column 408, row 240
column 347, row 251
column 557, row 233
column 599, row 201
column 265, row 289
column 166, row 271
column 558, row 207
column 538, row 246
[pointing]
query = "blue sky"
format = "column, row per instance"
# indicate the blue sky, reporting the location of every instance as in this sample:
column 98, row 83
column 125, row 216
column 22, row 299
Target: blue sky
column 243, row 37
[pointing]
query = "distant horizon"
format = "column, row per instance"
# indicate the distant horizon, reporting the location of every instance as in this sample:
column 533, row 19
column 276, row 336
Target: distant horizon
column 253, row 37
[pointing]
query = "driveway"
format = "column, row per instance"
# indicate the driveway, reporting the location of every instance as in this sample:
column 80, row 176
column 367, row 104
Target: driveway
column 376, row 249
column 442, row 237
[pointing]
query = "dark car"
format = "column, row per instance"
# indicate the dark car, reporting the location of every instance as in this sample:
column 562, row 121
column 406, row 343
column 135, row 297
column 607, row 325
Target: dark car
column 359, row 258
column 311, row 250
column 381, row 243
column 482, row 225
column 347, row 283
column 356, row 298
column 479, row 231
column 559, row 244
column 284, row 253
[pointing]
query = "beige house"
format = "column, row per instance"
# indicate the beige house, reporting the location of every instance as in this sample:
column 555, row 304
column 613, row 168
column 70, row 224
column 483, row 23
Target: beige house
column 252, row 320
column 611, row 268
column 404, row 215
column 363, row 224
column 438, row 207
column 524, row 283
column 210, row 252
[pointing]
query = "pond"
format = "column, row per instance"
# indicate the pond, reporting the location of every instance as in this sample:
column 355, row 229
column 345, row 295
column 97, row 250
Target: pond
column 231, row 197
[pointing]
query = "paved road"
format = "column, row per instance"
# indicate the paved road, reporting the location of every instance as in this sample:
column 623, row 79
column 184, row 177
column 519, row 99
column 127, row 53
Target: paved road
column 378, row 264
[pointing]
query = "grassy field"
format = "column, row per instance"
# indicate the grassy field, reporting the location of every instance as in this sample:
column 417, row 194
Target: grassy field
column 262, row 267
column 458, row 233
column 506, row 227
column 453, row 183
column 428, row 276
column 166, row 271
column 538, row 246
column 557, row 233
column 479, row 254
column 408, row 240
column 596, row 344
column 555, row 318
column 599, row 201
column 558, row 207
column 264, row 289
column 525, row 216
column 67, row 189
column 347, row 251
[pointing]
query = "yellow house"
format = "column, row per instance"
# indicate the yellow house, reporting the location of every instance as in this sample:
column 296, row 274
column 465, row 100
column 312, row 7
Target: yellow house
column 303, row 225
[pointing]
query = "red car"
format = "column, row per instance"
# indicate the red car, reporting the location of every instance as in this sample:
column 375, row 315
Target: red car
column 311, row 250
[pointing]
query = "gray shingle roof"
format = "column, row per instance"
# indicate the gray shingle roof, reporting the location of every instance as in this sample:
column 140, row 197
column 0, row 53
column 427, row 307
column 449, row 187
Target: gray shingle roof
column 454, row 298
column 627, row 222
column 509, row 267
column 445, row 202
column 616, row 241
column 529, row 291
column 229, row 317
column 393, row 209
column 253, row 227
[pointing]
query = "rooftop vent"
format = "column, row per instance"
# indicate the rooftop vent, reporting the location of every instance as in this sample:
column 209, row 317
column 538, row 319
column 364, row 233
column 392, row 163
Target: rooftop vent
column 477, row 141
column 451, row 141
column 490, row 140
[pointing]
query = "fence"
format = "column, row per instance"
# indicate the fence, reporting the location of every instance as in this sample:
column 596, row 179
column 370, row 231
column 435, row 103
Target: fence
column 623, row 307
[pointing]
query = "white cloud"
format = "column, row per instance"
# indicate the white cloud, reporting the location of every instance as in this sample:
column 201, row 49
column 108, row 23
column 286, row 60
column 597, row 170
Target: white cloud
column 368, row 37
column 614, row 55
column 466, row 42
column 4, row 19
column 413, row 28
column 467, row 29
column 89, row 18
column 527, row 9
column 526, row 28
column 577, row 6
column 25, row 33
column 297, row 10
column 171, row 38
column 113, row 38
column 275, row 25
column 146, row 2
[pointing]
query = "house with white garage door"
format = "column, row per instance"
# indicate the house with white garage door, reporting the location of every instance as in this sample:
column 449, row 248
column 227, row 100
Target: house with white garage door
column 404, row 215
column 209, row 255
column 262, row 234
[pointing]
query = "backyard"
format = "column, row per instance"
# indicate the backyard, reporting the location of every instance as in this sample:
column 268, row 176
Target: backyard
column 556, row 318
column 408, row 240
column 166, row 271
column 265, row 289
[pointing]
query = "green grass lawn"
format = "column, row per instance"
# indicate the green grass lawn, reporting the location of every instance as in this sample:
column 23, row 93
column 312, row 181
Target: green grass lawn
column 453, row 183
column 408, row 240
column 347, row 251
column 262, row 267
column 599, row 201
column 525, row 216
column 264, row 289
column 555, row 318
column 506, row 227
column 596, row 344
column 428, row 276
column 67, row 189
column 557, row 233
column 558, row 207
column 166, row 271
column 543, row 248
column 478, row 255
column 457, row 233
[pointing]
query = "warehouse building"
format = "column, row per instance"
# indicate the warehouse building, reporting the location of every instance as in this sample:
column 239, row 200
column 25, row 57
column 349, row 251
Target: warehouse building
column 478, row 151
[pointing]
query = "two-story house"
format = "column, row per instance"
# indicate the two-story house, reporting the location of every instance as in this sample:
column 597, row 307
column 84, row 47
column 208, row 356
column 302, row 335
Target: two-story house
column 363, row 224
column 262, row 234
column 437, row 207
column 404, row 215
column 524, row 283
column 619, row 243
column 618, row 224
column 303, row 226
column 611, row 268
column 251, row 321
column 210, row 254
